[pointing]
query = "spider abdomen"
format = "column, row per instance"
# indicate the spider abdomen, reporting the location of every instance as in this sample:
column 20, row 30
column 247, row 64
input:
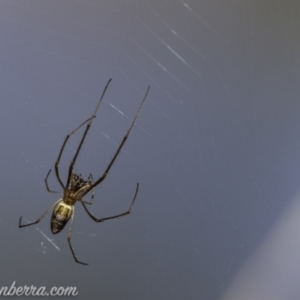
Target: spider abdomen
column 60, row 216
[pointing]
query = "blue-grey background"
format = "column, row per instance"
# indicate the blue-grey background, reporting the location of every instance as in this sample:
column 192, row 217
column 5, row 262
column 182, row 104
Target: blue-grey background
column 216, row 148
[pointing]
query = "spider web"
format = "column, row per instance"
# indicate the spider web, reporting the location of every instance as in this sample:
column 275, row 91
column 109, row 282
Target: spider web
column 215, row 148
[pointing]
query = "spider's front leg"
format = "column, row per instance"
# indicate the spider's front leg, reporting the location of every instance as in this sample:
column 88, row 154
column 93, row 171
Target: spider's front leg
column 62, row 149
column 115, row 216
column 47, row 186
column 92, row 198
column 90, row 180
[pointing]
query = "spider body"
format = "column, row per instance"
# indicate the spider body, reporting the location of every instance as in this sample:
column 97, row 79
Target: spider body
column 64, row 209
column 62, row 213
column 77, row 187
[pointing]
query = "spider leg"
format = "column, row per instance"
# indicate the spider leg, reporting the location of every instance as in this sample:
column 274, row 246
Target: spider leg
column 92, row 199
column 93, row 192
column 88, row 126
column 47, row 186
column 115, row 216
column 69, row 240
column 62, row 148
column 40, row 218
column 119, row 148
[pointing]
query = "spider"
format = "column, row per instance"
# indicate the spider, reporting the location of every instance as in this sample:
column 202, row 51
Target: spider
column 77, row 187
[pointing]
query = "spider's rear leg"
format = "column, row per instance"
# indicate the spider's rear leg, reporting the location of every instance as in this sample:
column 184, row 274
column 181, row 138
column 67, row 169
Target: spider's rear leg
column 69, row 240
column 40, row 218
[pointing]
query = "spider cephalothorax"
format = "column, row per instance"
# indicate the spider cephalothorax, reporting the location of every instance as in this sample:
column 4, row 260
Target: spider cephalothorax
column 79, row 185
column 77, row 182
column 76, row 187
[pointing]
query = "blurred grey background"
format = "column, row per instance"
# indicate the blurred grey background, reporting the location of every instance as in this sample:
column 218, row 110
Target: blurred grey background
column 216, row 148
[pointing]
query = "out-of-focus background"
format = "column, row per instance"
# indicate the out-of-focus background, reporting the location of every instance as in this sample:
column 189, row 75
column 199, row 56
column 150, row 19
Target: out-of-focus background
column 216, row 148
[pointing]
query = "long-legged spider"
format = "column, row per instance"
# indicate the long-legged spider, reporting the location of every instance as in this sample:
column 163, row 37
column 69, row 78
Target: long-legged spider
column 77, row 187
